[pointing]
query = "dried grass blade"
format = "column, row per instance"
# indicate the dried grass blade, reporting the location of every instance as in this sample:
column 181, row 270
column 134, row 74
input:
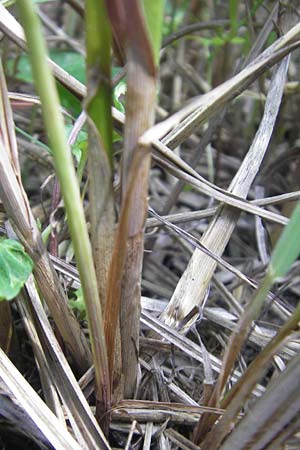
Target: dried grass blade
column 193, row 285
column 290, row 431
column 172, row 408
column 279, row 406
column 61, row 373
column 148, row 436
column 177, row 167
column 286, row 251
column 242, row 390
column 180, row 440
column 100, row 159
column 202, row 248
column 7, row 131
column 50, row 394
column 17, row 207
column 186, row 345
column 209, row 212
column 29, row 400
column 213, row 101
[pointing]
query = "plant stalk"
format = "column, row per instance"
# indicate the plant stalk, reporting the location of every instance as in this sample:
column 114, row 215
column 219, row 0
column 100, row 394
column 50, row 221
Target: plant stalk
column 46, row 89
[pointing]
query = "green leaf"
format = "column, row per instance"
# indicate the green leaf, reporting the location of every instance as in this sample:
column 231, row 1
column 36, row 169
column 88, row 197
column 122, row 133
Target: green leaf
column 233, row 14
column 15, row 268
column 79, row 148
column 287, row 249
column 154, row 18
column 238, row 40
column 118, row 91
column 116, row 137
column 78, row 303
column 173, row 19
column 98, row 66
column 80, row 151
column 72, row 62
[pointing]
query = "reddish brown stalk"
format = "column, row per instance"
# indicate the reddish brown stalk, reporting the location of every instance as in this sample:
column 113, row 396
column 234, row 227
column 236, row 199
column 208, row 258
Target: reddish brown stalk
column 130, row 30
column 56, row 196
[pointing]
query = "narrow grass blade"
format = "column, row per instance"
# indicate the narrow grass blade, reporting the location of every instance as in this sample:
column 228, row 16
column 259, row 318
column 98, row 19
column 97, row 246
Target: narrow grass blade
column 129, row 27
column 153, row 12
column 140, row 102
column 29, row 400
column 213, row 101
column 276, row 409
column 279, row 264
column 191, row 289
column 18, row 209
column 98, row 43
column 7, row 128
column 67, row 177
column 114, row 288
column 243, row 389
column 61, row 374
column 287, row 248
column 289, row 237
column 100, row 160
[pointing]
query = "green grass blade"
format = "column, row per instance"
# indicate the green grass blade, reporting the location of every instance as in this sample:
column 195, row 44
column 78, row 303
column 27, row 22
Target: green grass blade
column 153, row 11
column 285, row 253
column 100, row 158
column 98, row 43
column 287, row 248
column 54, row 123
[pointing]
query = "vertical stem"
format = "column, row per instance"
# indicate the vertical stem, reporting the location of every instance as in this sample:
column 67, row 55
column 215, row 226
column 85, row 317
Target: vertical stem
column 71, row 195
column 100, row 160
column 143, row 101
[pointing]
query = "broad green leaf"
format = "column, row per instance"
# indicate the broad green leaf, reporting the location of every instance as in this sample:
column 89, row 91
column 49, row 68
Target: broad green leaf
column 15, row 268
column 72, row 62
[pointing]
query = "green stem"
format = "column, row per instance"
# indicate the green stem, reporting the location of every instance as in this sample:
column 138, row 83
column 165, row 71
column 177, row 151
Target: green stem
column 54, row 123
